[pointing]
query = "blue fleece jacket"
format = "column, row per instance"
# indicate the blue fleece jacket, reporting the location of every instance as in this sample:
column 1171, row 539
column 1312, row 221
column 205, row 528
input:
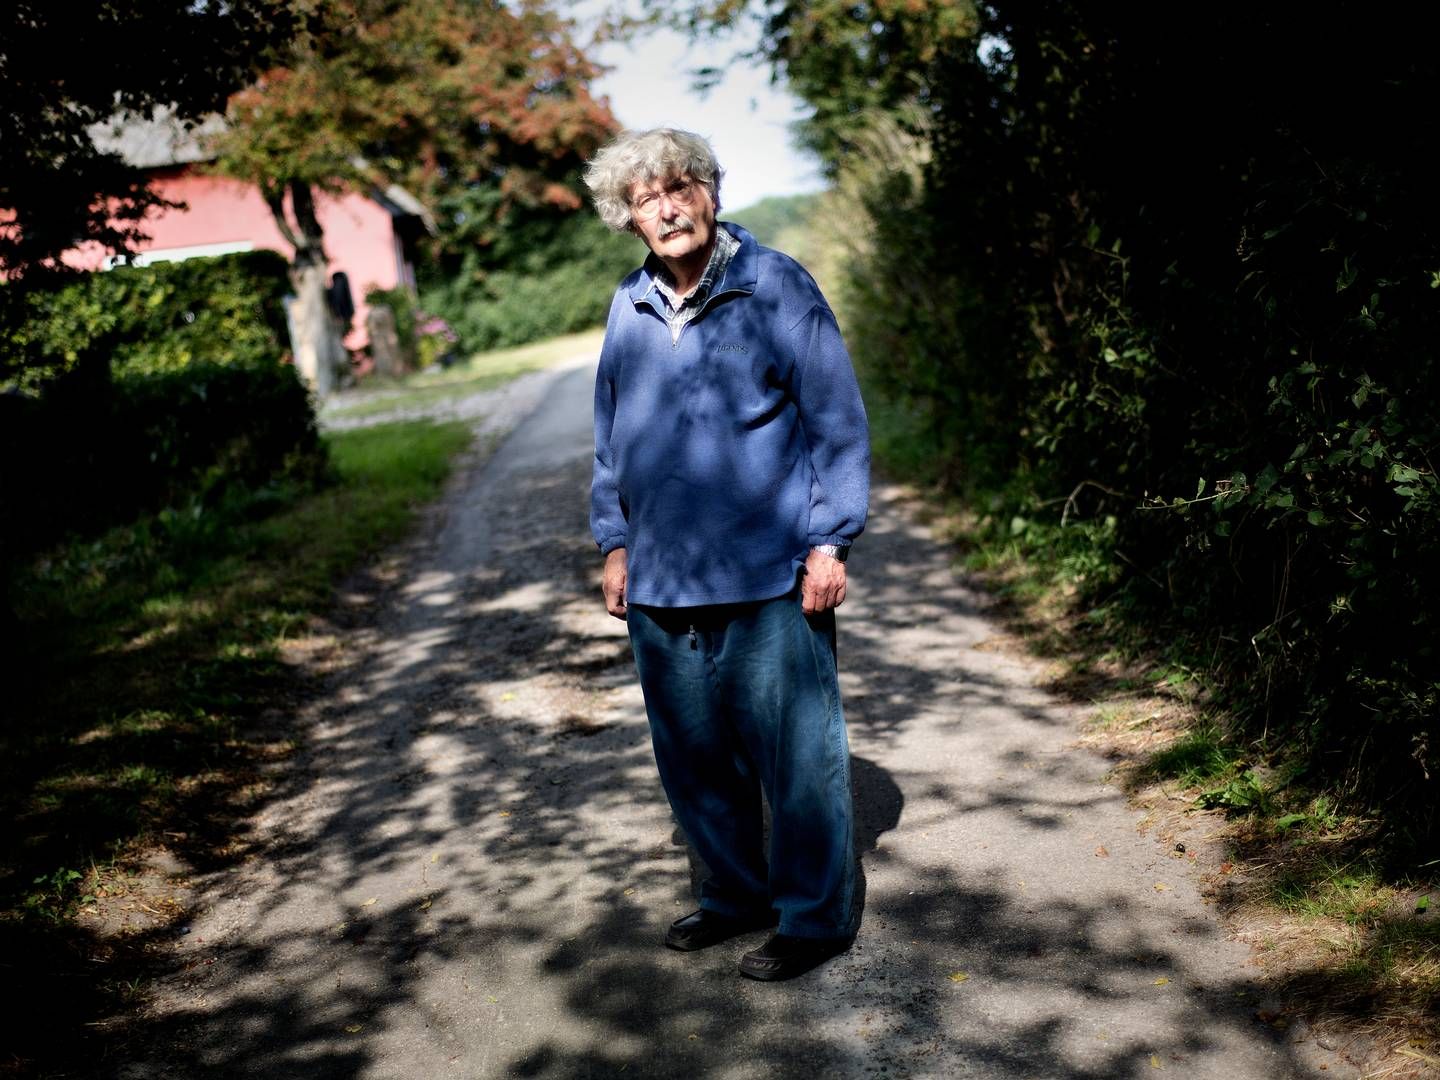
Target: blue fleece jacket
column 721, row 459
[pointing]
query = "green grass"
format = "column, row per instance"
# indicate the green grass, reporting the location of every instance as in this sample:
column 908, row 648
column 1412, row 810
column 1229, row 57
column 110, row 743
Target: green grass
column 147, row 656
column 150, row 694
column 1198, row 758
column 485, row 371
column 1359, row 918
column 1384, row 944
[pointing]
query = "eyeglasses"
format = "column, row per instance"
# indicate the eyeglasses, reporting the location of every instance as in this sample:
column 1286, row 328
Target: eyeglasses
column 681, row 192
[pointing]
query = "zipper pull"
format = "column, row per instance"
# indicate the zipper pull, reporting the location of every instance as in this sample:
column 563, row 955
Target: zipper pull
column 694, row 640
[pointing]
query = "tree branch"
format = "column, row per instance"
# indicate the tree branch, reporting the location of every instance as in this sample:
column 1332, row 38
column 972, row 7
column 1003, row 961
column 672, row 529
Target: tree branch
column 275, row 199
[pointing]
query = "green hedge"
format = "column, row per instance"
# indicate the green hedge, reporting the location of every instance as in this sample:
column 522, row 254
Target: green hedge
column 85, row 454
column 1167, row 304
column 222, row 310
column 146, row 387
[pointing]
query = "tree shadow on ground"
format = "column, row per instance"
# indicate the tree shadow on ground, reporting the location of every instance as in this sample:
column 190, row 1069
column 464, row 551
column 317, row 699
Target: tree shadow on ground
column 473, row 869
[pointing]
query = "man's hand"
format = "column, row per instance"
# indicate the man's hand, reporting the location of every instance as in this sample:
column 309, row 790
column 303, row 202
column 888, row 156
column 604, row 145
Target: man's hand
column 823, row 586
column 614, row 583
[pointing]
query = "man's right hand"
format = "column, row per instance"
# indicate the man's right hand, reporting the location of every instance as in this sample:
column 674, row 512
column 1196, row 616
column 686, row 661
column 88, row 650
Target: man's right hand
column 614, row 583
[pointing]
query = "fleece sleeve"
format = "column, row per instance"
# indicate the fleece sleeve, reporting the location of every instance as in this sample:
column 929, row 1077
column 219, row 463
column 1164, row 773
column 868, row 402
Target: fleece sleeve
column 837, row 434
column 607, row 511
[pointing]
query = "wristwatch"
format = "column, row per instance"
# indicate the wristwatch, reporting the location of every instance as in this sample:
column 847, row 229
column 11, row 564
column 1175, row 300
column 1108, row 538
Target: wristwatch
column 835, row 551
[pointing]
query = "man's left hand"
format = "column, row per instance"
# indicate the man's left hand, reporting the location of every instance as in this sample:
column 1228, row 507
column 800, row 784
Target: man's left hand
column 823, row 585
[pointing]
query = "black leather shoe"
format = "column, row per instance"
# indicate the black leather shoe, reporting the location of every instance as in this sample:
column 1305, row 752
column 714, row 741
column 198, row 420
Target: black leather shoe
column 784, row 957
column 701, row 929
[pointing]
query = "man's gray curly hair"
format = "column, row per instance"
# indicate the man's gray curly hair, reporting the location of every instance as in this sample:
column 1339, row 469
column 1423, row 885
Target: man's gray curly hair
column 647, row 156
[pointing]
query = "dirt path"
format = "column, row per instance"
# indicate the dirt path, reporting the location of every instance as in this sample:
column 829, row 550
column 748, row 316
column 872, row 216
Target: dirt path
column 474, row 864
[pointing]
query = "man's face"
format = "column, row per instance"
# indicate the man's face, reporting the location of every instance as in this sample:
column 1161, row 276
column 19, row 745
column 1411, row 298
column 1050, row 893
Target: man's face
column 683, row 220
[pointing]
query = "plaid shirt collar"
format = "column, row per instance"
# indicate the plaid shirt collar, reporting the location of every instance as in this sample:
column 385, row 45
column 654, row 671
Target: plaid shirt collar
column 664, row 283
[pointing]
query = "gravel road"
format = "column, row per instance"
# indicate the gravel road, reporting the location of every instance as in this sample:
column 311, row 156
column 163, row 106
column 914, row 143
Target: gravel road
column 472, row 864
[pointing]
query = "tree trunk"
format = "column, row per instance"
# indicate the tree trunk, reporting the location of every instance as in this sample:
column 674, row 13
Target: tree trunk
column 319, row 352
column 316, row 341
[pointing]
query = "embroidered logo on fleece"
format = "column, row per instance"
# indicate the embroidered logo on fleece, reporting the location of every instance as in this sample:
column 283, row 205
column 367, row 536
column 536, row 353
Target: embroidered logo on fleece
column 731, row 347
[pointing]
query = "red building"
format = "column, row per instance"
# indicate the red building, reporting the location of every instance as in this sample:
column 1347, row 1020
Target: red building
column 369, row 236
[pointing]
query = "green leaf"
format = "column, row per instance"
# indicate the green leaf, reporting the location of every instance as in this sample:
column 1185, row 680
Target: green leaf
column 1346, row 277
column 1317, row 517
column 1422, row 905
column 1290, row 820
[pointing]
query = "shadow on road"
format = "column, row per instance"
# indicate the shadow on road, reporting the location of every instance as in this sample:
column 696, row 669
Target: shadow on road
column 472, row 873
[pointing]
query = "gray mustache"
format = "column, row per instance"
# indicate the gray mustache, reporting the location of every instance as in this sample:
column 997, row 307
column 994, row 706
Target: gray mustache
column 681, row 224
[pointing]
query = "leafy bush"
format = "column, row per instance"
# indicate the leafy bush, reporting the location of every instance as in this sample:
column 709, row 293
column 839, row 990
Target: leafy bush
column 1185, row 285
column 223, row 310
column 551, row 276
column 146, row 387
column 83, row 456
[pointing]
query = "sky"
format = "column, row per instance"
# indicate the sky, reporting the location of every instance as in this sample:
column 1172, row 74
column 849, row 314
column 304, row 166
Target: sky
column 745, row 117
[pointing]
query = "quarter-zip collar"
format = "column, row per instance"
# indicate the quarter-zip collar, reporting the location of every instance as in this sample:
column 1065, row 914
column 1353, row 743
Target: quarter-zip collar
column 721, row 252
column 740, row 276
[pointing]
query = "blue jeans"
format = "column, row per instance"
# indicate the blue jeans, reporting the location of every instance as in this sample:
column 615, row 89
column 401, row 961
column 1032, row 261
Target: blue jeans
column 743, row 698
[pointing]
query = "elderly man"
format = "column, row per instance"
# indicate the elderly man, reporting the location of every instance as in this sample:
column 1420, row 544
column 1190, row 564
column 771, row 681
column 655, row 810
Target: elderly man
column 731, row 477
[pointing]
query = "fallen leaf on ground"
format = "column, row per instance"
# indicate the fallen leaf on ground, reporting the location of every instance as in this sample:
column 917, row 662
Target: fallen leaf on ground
column 1274, row 1018
column 492, row 999
column 426, row 905
column 1162, row 981
column 504, row 813
column 509, row 695
column 1155, row 1062
column 1160, row 886
column 629, row 892
column 435, row 858
column 692, row 1035
column 371, row 902
column 959, row 977
column 1101, row 853
column 354, row 1029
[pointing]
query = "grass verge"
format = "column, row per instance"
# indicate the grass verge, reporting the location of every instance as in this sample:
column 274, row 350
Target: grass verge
column 437, row 385
column 1345, row 921
column 150, row 696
